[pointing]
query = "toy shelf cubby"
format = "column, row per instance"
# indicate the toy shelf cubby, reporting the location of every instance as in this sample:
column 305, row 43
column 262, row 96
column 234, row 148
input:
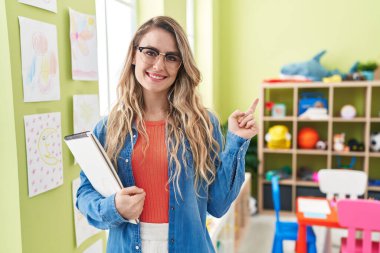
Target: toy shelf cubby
column 363, row 95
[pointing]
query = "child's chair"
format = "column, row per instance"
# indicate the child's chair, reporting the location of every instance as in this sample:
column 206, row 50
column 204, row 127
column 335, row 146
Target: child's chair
column 340, row 183
column 359, row 215
column 287, row 230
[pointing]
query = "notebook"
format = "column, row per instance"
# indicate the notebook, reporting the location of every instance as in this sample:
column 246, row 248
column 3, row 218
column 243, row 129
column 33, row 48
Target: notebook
column 94, row 162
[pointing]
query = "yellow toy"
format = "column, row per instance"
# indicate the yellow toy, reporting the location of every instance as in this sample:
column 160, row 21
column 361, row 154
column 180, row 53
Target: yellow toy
column 278, row 137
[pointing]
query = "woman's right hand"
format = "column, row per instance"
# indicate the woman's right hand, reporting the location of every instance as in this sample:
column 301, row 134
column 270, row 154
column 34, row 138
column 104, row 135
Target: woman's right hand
column 129, row 202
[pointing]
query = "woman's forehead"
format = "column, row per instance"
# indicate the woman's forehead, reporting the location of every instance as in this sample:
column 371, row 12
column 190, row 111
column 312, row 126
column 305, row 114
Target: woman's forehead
column 160, row 39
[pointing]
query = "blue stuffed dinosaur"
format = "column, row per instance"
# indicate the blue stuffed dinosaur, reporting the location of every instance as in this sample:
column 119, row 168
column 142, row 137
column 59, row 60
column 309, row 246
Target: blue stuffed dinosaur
column 312, row 69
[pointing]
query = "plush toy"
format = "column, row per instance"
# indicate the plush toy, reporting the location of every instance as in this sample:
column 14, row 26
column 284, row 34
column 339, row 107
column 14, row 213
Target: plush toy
column 339, row 142
column 278, row 137
column 312, row 69
column 375, row 141
column 307, row 138
column 354, row 145
column 321, row 145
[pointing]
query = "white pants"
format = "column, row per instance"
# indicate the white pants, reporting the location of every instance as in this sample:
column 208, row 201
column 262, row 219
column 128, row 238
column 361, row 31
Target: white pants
column 154, row 237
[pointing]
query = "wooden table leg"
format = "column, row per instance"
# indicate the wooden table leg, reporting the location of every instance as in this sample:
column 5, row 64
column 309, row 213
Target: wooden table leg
column 301, row 241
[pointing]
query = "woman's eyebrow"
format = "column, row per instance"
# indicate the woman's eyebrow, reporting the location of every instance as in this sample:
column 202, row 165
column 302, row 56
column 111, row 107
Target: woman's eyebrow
column 156, row 49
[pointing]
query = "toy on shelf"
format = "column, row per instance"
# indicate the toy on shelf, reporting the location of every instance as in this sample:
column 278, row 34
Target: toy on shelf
column 375, row 141
column 339, row 142
column 355, row 146
column 311, row 70
column 282, row 173
column 332, row 79
column 348, row 112
column 311, row 100
column 347, row 166
column 278, row 137
column 321, row 145
column 306, row 174
column 307, row 138
column 278, row 110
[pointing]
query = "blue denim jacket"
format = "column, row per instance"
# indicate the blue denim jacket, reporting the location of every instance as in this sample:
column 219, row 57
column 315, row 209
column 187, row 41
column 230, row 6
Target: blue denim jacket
column 187, row 215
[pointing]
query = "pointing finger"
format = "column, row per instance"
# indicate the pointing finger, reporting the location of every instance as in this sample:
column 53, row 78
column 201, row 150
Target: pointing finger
column 252, row 108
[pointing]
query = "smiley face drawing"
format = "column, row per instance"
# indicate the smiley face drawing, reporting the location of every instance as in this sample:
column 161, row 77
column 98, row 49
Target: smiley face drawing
column 47, row 145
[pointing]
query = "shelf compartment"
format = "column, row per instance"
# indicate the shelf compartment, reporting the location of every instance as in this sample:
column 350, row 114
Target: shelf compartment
column 324, row 91
column 355, row 96
column 286, row 199
column 320, row 127
column 311, row 164
column 352, row 130
column 280, row 95
column 274, row 162
column 346, row 160
column 375, row 102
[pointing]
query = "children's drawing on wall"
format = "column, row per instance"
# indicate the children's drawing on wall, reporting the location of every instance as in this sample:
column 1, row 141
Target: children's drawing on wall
column 39, row 54
column 44, row 152
column 83, row 46
column 50, row 5
column 97, row 247
column 86, row 112
column 83, row 230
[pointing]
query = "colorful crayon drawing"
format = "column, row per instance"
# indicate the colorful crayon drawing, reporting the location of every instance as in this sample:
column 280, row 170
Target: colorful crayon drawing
column 50, row 5
column 83, row 46
column 86, row 112
column 40, row 69
column 44, row 152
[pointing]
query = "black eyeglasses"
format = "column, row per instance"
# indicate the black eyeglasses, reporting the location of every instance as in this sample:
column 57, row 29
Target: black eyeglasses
column 150, row 56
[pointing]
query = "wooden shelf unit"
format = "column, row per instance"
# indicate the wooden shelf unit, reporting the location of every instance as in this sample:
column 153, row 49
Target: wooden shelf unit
column 363, row 95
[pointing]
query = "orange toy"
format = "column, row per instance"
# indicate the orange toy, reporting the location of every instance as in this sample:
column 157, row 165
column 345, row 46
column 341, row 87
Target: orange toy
column 307, row 138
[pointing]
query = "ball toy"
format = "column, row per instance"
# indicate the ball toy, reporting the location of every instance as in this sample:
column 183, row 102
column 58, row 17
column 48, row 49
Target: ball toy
column 375, row 141
column 307, row 138
column 348, row 112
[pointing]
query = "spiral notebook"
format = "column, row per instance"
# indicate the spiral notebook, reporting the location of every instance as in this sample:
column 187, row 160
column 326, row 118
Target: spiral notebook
column 94, row 162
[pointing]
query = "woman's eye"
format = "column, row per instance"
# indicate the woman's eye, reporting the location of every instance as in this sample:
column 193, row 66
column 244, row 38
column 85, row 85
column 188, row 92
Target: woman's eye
column 151, row 53
column 172, row 58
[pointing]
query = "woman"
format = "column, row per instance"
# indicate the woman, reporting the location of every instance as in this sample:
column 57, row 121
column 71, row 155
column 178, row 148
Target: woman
column 167, row 149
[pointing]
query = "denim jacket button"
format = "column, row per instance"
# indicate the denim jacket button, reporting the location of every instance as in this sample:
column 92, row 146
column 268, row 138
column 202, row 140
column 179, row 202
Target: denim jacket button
column 172, row 208
column 126, row 160
column 134, row 136
column 172, row 240
column 137, row 247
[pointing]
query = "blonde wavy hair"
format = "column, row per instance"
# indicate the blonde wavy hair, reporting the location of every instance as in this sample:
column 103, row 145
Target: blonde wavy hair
column 187, row 117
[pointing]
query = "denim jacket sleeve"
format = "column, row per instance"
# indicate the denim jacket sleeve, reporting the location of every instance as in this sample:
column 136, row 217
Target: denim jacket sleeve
column 100, row 211
column 230, row 171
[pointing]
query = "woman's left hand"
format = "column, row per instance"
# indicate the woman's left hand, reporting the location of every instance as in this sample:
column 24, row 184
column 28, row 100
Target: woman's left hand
column 243, row 124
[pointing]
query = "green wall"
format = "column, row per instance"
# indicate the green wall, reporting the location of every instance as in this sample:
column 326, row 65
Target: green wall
column 10, row 232
column 257, row 37
column 47, row 223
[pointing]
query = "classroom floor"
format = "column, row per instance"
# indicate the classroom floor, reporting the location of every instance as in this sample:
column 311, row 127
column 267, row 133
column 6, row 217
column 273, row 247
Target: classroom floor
column 259, row 236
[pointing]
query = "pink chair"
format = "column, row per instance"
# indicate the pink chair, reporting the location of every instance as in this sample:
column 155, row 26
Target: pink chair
column 359, row 215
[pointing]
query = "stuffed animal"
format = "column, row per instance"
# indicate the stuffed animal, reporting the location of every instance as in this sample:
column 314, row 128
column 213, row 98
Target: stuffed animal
column 278, row 137
column 375, row 141
column 354, row 145
column 339, row 142
column 312, row 69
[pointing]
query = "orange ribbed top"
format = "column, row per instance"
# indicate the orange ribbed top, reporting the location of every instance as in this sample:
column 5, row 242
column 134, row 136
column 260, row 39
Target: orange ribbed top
column 151, row 173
